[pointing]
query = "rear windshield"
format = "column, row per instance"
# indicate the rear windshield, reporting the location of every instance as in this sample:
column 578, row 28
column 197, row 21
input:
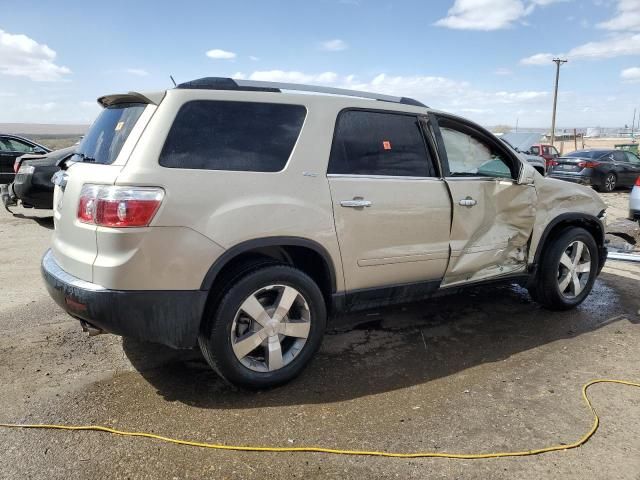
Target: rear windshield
column 586, row 154
column 239, row 136
column 105, row 138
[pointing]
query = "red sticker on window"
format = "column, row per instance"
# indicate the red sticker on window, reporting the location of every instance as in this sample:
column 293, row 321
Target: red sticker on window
column 386, row 144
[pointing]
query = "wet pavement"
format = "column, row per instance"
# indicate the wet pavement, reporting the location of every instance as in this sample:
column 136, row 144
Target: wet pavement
column 485, row 370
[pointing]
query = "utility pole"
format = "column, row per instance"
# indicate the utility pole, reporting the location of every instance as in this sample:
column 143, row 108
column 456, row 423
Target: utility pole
column 558, row 62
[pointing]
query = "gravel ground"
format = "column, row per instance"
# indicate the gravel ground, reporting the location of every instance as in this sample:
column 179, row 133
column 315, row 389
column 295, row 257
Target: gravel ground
column 487, row 370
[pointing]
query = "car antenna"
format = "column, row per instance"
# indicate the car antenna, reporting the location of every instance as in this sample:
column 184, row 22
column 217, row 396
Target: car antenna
column 174, row 82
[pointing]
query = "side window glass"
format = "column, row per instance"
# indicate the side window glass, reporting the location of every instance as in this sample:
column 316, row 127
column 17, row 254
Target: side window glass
column 553, row 151
column 632, row 158
column 4, row 145
column 545, row 150
column 236, row 136
column 535, row 150
column 619, row 156
column 378, row 143
column 469, row 156
column 18, row 146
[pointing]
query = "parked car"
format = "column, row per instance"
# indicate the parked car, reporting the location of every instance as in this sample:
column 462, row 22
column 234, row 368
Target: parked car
column 231, row 215
column 529, row 143
column 32, row 185
column 634, row 202
column 603, row 169
column 12, row 147
column 548, row 152
column 536, row 161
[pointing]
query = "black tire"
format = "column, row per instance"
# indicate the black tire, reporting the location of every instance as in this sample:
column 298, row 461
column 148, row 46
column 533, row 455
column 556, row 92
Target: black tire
column 546, row 289
column 610, row 182
column 215, row 339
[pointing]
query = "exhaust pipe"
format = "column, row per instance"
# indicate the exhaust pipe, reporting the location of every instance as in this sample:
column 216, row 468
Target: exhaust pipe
column 90, row 329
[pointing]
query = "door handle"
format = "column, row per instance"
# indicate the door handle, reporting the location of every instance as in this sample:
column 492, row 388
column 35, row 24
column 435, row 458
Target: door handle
column 357, row 202
column 467, row 202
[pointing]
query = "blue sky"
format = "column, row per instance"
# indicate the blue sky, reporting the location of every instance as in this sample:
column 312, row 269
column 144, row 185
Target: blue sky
column 489, row 60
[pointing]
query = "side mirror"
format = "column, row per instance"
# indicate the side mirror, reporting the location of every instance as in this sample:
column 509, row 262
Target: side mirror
column 39, row 151
column 527, row 174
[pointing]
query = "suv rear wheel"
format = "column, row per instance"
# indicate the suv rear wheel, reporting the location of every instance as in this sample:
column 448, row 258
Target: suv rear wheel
column 266, row 328
column 567, row 271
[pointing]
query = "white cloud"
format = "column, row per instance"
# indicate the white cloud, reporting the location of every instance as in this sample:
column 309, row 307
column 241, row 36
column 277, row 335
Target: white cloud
column 627, row 18
column 617, row 45
column 219, row 54
column 290, row 76
column 23, row 56
column 538, row 59
column 253, row 59
column 502, row 71
column 335, row 45
column 631, row 74
column 488, row 14
column 622, row 41
column 613, row 46
column 137, row 71
column 486, row 106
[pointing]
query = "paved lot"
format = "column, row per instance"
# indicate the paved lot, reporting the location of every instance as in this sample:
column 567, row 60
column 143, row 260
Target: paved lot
column 484, row 371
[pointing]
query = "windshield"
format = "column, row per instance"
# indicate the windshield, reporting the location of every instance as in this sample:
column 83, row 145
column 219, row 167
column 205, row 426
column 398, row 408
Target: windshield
column 105, row 138
column 509, row 144
column 586, row 154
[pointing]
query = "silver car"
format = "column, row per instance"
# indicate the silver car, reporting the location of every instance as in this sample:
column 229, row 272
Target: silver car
column 634, row 202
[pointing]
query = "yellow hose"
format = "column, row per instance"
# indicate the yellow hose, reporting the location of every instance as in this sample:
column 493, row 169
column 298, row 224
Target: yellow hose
column 249, row 448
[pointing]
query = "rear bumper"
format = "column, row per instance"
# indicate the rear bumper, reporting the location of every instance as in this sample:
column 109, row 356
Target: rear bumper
column 35, row 189
column 168, row 317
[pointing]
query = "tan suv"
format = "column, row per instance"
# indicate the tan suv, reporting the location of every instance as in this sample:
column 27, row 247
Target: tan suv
column 234, row 216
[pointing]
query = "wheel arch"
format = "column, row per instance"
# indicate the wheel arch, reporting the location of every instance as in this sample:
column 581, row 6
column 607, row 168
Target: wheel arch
column 308, row 255
column 560, row 223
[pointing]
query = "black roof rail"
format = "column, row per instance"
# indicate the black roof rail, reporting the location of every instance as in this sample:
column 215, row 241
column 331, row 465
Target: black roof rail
column 224, row 83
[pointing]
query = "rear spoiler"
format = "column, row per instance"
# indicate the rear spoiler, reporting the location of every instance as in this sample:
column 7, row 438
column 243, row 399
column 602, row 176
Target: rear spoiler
column 132, row 97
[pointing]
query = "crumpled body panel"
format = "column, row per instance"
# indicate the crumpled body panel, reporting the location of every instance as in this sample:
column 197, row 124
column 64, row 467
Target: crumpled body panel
column 490, row 238
column 556, row 197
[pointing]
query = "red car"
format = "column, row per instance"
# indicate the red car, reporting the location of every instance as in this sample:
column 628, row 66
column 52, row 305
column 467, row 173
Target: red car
column 548, row 152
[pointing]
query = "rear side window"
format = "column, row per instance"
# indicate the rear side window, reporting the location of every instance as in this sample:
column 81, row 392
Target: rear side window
column 377, row 143
column 17, row 146
column 239, row 136
column 619, row 156
column 632, row 158
column 107, row 135
column 535, row 150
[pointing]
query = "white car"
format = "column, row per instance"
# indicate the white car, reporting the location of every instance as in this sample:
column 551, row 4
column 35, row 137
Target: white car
column 634, row 202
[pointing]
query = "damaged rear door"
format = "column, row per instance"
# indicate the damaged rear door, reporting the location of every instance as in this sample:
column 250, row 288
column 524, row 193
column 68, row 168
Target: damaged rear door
column 493, row 215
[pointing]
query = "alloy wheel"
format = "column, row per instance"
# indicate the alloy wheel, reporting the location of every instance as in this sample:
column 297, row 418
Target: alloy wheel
column 610, row 182
column 574, row 269
column 270, row 328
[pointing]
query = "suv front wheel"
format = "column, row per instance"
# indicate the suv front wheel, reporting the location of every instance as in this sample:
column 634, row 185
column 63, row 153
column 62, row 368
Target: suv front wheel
column 567, row 270
column 266, row 328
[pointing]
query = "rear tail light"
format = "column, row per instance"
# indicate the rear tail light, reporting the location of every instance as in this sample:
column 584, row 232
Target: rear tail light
column 16, row 166
column 26, row 169
column 552, row 163
column 637, row 182
column 114, row 206
column 588, row 164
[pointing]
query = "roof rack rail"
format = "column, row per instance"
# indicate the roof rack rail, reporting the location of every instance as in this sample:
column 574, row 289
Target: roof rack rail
column 223, row 83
